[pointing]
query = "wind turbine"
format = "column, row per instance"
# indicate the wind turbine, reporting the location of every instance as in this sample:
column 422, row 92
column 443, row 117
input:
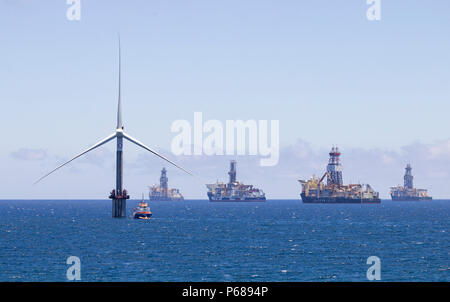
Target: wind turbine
column 119, row 195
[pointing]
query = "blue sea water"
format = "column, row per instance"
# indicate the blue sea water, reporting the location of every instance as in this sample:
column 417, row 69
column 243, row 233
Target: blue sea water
column 279, row 240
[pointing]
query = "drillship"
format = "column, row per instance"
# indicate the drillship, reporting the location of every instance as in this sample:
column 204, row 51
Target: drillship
column 314, row 191
column 408, row 192
column 234, row 190
column 162, row 192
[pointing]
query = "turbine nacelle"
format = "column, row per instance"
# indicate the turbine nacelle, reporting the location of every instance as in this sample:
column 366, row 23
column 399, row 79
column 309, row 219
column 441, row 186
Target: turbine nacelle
column 119, row 132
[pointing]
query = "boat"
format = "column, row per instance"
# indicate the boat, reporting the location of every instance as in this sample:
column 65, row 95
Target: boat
column 142, row 211
column 408, row 192
column 234, row 190
column 163, row 192
column 315, row 191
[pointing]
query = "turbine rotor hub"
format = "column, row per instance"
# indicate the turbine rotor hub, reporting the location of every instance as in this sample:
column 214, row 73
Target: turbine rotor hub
column 119, row 132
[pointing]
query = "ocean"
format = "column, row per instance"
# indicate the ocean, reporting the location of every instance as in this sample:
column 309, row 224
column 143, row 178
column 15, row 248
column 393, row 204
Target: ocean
column 196, row 240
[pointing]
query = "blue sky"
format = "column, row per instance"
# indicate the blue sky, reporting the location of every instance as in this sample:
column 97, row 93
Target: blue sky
column 380, row 90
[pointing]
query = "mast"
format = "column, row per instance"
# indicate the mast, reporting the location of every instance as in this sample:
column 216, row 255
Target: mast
column 334, row 168
column 408, row 178
column 163, row 183
column 119, row 199
column 232, row 172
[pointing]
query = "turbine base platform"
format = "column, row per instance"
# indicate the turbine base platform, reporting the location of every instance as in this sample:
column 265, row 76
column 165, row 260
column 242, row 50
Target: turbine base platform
column 119, row 208
column 119, row 204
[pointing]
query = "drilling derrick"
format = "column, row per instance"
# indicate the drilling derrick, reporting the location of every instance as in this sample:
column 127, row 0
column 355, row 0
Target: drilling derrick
column 232, row 172
column 409, row 178
column 163, row 183
column 334, row 168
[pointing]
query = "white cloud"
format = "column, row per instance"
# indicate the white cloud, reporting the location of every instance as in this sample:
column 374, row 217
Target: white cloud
column 29, row 154
column 379, row 167
column 441, row 149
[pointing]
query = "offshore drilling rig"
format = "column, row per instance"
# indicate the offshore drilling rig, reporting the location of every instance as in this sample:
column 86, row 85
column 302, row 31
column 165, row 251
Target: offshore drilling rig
column 234, row 190
column 162, row 192
column 408, row 192
column 314, row 191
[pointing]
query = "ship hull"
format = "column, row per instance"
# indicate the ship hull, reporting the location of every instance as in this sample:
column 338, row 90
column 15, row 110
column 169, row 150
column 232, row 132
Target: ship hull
column 226, row 199
column 141, row 216
column 411, row 198
column 337, row 200
column 165, row 199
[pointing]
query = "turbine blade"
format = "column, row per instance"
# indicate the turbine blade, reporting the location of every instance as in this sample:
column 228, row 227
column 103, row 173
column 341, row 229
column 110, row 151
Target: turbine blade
column 102, row 142
column 119, row 102
column 133, row 140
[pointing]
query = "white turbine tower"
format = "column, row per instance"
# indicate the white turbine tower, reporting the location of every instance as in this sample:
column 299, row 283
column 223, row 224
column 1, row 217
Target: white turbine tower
column 119, row 195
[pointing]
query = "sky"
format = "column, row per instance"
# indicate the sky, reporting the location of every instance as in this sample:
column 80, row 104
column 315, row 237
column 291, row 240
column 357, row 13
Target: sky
column 378, row 89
